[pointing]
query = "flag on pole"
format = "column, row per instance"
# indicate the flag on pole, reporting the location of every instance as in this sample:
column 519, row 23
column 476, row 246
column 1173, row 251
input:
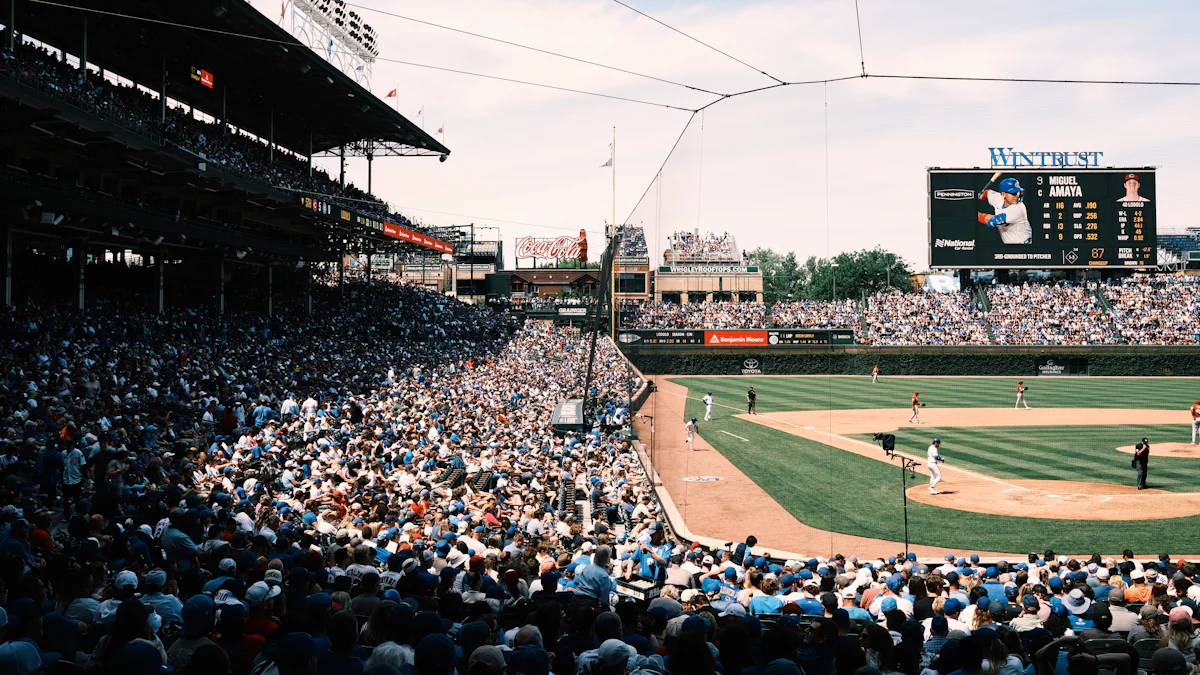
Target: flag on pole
column 610, row 157
column 282, row 7
column 391, row 94
column 329, row 48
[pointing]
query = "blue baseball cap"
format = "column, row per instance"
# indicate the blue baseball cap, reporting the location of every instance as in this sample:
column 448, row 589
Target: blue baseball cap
column 730, row 573
column 888, row 604
column 953, row 606
column 982, row 603
column 895, row 582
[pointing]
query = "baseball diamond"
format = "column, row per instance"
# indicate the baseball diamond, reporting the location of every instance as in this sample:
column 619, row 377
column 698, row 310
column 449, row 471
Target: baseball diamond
column 1015, row 480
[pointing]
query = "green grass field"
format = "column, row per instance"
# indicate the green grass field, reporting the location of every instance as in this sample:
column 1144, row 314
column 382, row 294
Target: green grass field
column 834, row 490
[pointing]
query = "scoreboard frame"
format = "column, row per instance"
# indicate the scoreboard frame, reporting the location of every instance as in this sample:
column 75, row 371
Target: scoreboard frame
column 1109, row 261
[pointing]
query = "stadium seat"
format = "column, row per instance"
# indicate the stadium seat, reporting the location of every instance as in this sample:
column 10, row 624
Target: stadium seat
column 1102, row 645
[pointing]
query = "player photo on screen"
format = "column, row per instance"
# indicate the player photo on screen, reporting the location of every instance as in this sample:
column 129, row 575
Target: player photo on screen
column 1132, row 185
column 1007, row 212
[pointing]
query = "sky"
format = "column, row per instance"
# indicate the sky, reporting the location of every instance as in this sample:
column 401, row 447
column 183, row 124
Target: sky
column 812, row 168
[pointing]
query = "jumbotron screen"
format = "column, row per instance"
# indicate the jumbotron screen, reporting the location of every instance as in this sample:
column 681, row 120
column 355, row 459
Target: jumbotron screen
column 1056, row 218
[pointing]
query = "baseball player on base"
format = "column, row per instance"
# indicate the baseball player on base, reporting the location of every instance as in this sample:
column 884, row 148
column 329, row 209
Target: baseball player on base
column 1020, row 395
column 690, row 428
column 916, row 407
column 1011, row 217
column 1195, row 421
column 708, row 399
column 934, row 457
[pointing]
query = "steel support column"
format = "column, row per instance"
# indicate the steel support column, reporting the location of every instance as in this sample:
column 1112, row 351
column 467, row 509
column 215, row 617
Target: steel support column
column 162, row 278
column 270, row 287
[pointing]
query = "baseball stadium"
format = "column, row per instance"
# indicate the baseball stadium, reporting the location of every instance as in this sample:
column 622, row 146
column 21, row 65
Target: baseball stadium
column 885, row 361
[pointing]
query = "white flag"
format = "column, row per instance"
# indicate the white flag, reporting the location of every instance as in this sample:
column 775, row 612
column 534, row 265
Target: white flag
column 610, row 157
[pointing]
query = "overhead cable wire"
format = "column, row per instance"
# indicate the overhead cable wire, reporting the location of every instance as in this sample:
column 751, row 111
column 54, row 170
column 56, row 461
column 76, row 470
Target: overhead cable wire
column 293, row 44
column 1037, row 80
column 694, row 39
column 534, row 49
column 663, row 166
column 862, row 60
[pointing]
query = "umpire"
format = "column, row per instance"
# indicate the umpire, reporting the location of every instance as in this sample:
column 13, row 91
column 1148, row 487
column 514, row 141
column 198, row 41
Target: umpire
column 1141, row 460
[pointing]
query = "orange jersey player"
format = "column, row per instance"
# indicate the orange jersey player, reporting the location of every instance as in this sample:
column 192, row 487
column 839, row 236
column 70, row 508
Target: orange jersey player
column 1021, row 395
column 1195, row 421
column 916, row 408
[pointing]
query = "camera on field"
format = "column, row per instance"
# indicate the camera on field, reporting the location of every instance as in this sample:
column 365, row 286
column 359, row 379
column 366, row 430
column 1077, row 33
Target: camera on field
column 888, row 442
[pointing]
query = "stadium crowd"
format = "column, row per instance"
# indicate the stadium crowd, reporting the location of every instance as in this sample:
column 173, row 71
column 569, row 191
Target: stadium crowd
column 139, row 112
column 708, row 247
column 1156, row 310
column 1143, row 310
column 633, row 241
column 1062, row 313
column 815, row 314
column 699, row 315
column 925, row 318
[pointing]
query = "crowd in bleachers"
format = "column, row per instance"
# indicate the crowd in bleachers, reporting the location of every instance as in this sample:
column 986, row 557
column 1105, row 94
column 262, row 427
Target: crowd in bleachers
column 1142, row 310
column 139, row 112
column 709, row 246
column 924, row 318
column 1061, row 313
column 1156, row 310
column 700, row 315
column 633, row 241
column 815, row 314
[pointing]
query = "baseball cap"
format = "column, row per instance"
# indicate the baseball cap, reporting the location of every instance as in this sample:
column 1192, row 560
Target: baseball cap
column 19, row 658
column 1136, row 574
column 1168, row 661
column 126, row 579
column 613, row 652
column 228, row 565
column 888, row 604
column 953, row 606
column 260, row 591
column 734, row 609
column 490, row 657
column 1131, row 176
column 1030, row 602
column 1180, row 616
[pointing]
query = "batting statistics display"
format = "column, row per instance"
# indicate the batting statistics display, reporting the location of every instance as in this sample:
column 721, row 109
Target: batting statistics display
column 983, row 218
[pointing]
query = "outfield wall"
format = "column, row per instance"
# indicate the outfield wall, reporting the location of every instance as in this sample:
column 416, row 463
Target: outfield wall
column 965, row 360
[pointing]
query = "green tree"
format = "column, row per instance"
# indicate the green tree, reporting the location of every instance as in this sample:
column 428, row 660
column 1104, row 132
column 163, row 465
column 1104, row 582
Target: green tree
column 782, row 275
column 868, row 270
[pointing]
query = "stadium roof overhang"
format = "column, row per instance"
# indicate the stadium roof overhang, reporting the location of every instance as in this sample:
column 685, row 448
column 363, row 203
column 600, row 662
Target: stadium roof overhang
column 268, row 84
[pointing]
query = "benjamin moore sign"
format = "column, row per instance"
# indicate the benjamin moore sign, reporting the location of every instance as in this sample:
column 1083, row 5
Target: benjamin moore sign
column 1012, row 158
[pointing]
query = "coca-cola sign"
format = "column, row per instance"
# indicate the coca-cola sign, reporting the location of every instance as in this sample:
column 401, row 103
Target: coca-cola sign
column 558, row 248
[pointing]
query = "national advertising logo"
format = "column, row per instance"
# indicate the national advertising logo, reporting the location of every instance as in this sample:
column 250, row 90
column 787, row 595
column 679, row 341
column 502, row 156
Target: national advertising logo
column 956, row 244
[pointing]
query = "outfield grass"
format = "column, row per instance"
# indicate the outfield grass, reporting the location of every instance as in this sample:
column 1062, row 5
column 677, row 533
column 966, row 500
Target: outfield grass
column 831, row 489
column 823, row 393
column 1083, row 453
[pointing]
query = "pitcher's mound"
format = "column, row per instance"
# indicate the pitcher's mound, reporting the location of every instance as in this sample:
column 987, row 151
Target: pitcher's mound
column 1181, row 450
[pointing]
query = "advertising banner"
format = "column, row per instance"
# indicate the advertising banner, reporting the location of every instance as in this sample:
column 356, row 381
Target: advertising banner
column 737, row 338
column 1059, row 367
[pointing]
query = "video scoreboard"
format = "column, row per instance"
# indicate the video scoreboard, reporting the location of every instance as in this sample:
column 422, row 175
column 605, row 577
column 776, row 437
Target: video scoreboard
column 738, row 337
column 1062, row 218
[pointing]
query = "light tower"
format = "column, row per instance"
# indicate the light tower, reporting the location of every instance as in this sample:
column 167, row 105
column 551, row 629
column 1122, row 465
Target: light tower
column 331, row 29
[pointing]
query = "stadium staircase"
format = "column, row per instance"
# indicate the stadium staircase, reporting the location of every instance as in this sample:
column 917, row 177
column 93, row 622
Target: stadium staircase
column 979, row 298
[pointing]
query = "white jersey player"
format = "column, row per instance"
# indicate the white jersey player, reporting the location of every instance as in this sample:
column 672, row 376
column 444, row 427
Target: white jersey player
column 1011, row 217
column 708, row 399
column 934, row 458
column 690, row 428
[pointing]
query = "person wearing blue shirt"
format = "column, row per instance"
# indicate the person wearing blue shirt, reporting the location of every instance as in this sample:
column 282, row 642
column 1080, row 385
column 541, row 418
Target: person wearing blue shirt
column 592, row 581
column 654, row 554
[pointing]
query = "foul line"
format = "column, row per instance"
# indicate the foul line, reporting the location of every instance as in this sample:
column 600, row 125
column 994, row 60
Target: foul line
column 734, row 435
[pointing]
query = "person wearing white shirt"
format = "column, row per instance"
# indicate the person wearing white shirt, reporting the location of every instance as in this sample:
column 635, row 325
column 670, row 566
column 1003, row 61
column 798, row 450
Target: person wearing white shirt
column 935, row 460
column 708, row 401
